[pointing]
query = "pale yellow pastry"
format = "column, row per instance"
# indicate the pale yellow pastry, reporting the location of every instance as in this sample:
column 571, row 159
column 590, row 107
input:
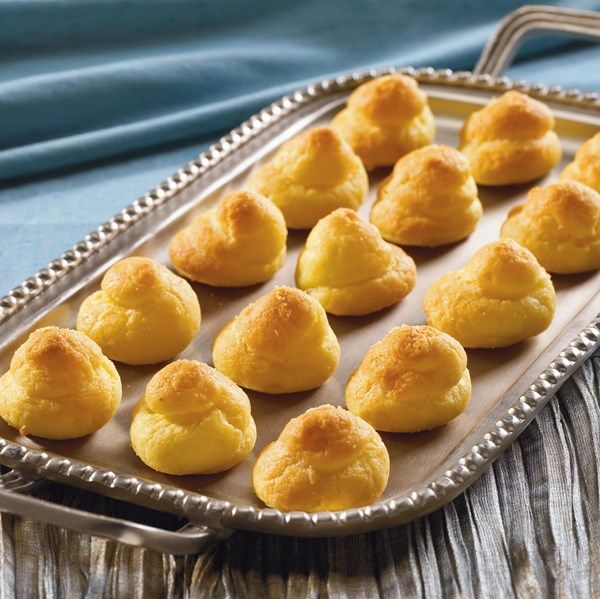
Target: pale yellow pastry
column 192, row 420
column 414, row 379
column 560, row 225
column 349, row 269
column 310, row 176
column 585, row 168
column 281, row 343
column 59, row 386
column 143, row 313
column 386, row 118
column 325, row 459
column 500, row 297
column 430, row 199
column 511, row 140
column 239, row 242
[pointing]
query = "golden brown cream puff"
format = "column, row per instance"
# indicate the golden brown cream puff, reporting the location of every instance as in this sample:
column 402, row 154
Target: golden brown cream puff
column 143, row 313
column 310, row 176
column 500, row 297
column 386, row 118
column 239, row 242
column 281, row 343
column 430, row 199
column 192, row 420
column 349, row 269
column 325, row 459
column 585, row 168
column 511, row 140
column 59, row 386
column 560, row 225
column 414, row 379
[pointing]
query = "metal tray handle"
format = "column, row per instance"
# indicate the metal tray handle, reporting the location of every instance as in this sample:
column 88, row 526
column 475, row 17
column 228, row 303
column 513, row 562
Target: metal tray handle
column 191, row 538
column 526, row 21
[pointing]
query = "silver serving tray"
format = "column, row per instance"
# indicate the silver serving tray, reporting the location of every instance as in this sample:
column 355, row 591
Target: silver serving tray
column 428, row 469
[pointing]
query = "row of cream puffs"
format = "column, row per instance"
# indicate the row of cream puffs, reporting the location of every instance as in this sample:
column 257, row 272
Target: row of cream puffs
column 145, row 314
column 511, row 140
column 192, row 419
column 430, row 199
column 351, row 270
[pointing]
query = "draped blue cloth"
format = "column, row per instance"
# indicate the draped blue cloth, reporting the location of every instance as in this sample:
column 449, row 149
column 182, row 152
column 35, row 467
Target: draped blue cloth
column 100, row 100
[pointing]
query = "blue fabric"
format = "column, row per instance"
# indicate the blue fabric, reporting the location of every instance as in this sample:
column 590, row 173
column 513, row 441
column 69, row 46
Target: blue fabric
column 100, row 100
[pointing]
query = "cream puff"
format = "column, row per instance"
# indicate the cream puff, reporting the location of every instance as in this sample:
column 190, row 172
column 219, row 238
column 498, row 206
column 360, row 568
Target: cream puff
column 281, row 343
column 414, row 379
column 325, row 459
column 239, row 242
column 386, row 118
column 511, row 140
column 192, row 420
column 502, row 296
column 349, row 269
column 310, row 176
column 430, row 199
column 59, row 386
column 560, row 226
column 585, row 168
column 143, row 313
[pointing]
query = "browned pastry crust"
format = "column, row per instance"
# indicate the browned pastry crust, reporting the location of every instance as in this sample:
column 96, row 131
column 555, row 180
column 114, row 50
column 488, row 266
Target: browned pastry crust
column 502, row 296
column 414, row 379
column 560, row 225
column 240, row 242
column 430, row 199
column 511, row 140
column 325, row 459
column 281, row 343
column 386, row 118
column 586, row 166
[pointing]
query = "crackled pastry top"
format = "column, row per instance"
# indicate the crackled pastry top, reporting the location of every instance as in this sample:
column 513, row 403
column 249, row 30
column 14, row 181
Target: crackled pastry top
column 281, row 343
column 192, row 420
column 142, row 314
column 585, row 168
column 325, row 459
column 430, row 199
column 386, row 118
column 310, row 176
column 414, row 379
column 239, row 242
column 350, row 269
column 500, row 297
column 511, row 140
column 59, row 386
column 560, row 225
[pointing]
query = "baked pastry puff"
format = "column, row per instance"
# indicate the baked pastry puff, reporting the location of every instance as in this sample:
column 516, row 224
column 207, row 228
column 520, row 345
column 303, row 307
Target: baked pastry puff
column 192, row 420
column 311, row 175
column 386, row 118
column 349, row 269
column 499, row 298
column 325, row 459
column 281, row 343
column 560, row 225
column 143, row 313
column 414, row 379
column 239, row 242
column 511, row 140
column 585, row 168
column 429, row 199
column 59, row 386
